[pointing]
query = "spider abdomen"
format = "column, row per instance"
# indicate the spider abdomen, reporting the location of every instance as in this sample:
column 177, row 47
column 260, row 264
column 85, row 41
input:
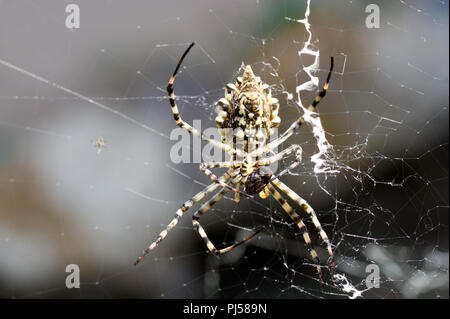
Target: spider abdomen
column 248, row 104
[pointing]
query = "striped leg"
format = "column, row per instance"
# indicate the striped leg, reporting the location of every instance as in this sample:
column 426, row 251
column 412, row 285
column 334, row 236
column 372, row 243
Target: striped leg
column 229, row 164
column 303, row 231
column 280, row 155
column 179, row 214
column 298, row 160
column 288, row 133
column 303, row 204
column 204, row 167
column 202, row 233
column 177, row 116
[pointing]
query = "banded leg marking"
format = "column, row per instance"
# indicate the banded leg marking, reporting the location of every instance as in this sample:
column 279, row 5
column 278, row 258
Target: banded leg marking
column 283, row 154
column 176, row 114
column 310, row 211
column 204, row 167
column 198, row 227
column 302, row 227
column 178, row 215
column 288, row 133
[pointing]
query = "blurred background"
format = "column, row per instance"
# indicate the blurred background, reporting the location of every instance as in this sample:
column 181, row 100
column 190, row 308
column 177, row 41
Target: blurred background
column 68, row 198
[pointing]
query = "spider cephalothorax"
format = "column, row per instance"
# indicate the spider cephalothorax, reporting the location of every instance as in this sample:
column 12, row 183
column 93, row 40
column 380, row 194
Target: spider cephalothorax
column 248, row 105
column 257, row 181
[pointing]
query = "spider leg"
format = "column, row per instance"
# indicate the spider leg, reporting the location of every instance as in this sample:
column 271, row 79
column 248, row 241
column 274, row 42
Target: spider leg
column 310, row 211
column 288, row 133
column 176, row 114
column 291, row 149
column 303, row 230
column 195, row 222
column 204, row 167
column 298, row 159
column 237, row 196
column 179, row 214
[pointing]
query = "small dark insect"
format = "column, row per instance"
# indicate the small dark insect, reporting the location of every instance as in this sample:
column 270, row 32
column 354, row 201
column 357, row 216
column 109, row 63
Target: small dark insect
column 247, row 106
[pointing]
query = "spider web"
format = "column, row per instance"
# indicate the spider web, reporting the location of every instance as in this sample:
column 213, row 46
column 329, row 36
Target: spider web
column 87, row 178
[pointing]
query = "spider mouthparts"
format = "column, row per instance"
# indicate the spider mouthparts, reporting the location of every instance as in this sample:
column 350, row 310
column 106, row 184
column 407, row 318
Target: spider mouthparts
column 264, row 193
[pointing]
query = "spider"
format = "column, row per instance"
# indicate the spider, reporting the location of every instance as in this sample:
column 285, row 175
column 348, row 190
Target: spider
column 99, row 144
column 247, row 105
